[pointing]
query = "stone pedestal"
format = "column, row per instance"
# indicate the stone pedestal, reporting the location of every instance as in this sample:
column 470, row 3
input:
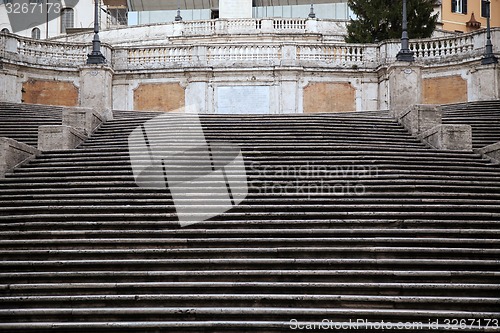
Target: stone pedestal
column 405, row 86
column 96, row 89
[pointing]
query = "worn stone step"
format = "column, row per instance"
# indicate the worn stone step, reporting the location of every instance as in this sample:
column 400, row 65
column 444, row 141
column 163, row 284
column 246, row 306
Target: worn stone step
column 249, row 300
column 246, row 275
column 201, row 287
column 233, row 326
column 258, row 223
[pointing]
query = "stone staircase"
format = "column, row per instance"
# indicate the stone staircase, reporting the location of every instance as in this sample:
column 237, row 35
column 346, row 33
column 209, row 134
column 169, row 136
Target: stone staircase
column 484, row 118
column 348, row 218
column 21, row 121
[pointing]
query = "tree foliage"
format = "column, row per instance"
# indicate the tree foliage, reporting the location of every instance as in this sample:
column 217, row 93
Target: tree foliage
column 378, row 20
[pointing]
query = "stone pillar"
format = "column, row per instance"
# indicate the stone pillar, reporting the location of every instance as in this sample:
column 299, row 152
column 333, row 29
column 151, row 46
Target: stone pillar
column 485, row 83
column 267, row 25
column 96, row 89
column 405, row 86
column 311, row 26
column 10, row 90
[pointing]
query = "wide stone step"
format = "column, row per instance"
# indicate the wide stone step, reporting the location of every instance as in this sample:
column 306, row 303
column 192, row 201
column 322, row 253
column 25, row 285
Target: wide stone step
column 305, row 208
column 237, row 224
column 235, row 326
column 282, row 287
column 249, row 300
column 310, row 275
column 172, row 234
column 125, row 314
column 433, row 251
column 249, row 201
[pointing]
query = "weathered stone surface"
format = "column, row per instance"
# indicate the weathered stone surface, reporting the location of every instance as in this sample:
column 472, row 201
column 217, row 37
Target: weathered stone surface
column 9, row 89
column 449, row 137
column 159, row 97
column 59, row 137
column 14, row 153
column 96, row 89
column 83, row 119
column 444, row 90
column 404, row 85
column 54, row 92
column 420, row 118
column 329, row 97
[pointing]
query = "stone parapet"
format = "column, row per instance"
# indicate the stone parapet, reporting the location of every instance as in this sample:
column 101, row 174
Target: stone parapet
column 491, row 151
column 420, row 118
column 449, row 137
column 14, row 153
column 59, row 137
column 85, row 120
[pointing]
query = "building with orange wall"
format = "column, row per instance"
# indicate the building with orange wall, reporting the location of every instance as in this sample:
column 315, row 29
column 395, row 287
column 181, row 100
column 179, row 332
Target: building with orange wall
column 468, row 15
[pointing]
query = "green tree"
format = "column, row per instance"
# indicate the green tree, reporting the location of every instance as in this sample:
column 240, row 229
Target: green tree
column 378, row 20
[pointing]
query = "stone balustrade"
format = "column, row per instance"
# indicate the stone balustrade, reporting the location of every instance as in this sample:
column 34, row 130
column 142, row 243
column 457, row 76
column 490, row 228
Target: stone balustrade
column 443, row 47
column 46, row 53
column 243, row 51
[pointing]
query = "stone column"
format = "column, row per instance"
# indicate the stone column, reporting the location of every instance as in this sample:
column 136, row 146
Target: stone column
column 405, row 86
column 96, row 89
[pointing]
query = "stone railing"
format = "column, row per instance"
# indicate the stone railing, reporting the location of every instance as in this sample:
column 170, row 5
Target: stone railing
column 442, row 47
column 329, row 29
column 153, row 57
column 46, row 53
column 245, row 52
column 246, row 56
column 338, row 55
column 247, row 27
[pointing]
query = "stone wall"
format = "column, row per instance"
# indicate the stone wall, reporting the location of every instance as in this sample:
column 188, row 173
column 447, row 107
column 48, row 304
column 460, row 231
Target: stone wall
column 444, row 90
column 329, row 97
column 158, row 97
column 53, row 92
